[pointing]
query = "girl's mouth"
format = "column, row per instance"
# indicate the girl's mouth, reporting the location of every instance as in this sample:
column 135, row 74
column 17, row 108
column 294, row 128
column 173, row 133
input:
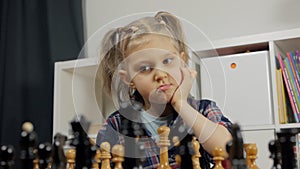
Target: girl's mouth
column 164, row 87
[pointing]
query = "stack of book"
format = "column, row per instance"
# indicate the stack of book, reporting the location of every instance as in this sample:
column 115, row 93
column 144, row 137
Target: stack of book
column 288, row 87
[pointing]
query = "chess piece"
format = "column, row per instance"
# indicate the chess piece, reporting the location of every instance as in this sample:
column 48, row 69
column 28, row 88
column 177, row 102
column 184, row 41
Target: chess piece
column 247, row 154
column 82, row 143
column 184, row 147
column 118, row 156
column 28, row 143
column 97, row 159
column 6, row 156
column 235, row 149
column 105, row 154
column 164, row 143
column 135, row 154
column 176, row 143
column 141, row 154
column 71, row 155
column 251, row 155
column 275, row 154
column 59, row 159
column 44, row 152
column 196, row 155
column 218, row 154
column 36, row 163
column 287, row 140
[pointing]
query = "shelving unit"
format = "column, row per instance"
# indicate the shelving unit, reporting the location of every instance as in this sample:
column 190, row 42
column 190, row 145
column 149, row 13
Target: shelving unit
column 264, row 129
column 74, row 88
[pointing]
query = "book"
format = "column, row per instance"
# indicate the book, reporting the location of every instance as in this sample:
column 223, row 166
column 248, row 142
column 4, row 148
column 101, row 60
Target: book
column 293, row 90
column 295, row 73
column 281, row 114
column 284, row 102
column 297, row 58
column 288, row 87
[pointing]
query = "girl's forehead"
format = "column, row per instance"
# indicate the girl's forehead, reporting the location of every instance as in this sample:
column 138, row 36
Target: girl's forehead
column 152, row 43
column 149, row 54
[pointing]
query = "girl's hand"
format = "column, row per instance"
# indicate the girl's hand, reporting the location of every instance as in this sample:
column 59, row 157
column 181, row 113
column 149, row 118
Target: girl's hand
column 183, row 90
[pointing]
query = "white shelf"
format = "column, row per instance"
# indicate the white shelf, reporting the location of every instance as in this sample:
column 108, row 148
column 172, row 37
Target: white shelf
column 74, row 88
column 75, row 94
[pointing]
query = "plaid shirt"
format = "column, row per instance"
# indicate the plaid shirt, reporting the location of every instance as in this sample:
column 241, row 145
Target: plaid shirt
column 111, row 133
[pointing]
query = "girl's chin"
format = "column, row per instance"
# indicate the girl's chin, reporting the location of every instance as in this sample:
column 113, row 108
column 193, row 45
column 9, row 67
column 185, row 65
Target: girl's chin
column 160, row 98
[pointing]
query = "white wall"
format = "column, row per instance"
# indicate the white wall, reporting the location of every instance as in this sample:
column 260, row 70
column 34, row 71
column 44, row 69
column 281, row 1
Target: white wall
column 216, row 19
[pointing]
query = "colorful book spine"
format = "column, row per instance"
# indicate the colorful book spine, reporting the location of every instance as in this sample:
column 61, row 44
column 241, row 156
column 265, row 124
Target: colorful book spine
column 295, row 73
column 297, row 57
column 293, row 86
column 288, row 87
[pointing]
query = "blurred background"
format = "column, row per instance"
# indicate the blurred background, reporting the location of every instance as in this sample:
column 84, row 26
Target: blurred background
column 37, row 33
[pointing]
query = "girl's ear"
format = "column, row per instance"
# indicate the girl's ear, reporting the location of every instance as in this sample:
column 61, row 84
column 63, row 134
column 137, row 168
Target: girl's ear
column 184, row 57
column 124, row 77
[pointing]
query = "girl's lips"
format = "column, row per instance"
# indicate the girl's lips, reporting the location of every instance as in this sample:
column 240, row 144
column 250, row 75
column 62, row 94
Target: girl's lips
column 164, row 87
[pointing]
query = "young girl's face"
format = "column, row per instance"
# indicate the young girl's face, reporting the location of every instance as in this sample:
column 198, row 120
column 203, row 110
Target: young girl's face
column 154, row 70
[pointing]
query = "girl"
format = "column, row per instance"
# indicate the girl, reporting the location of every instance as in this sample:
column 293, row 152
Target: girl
column 144, row 65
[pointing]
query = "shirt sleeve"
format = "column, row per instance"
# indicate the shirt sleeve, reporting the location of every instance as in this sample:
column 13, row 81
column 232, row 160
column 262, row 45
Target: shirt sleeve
column 213, row 113
column 109, row 132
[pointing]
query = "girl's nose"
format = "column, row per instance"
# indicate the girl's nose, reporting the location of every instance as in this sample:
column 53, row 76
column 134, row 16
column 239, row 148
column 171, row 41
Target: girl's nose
column 160, row 74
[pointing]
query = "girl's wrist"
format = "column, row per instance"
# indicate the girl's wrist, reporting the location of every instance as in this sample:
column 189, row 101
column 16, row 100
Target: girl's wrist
column 179, row 104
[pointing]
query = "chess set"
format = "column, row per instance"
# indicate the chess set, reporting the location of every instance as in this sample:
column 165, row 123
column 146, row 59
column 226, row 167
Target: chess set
column 84, row 154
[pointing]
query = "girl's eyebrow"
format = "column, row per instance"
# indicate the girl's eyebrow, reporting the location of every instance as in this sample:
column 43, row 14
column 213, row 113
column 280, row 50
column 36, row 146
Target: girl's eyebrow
column 147, row 59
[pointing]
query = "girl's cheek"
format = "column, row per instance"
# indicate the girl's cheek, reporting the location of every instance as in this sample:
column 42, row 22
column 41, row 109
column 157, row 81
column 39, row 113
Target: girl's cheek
column 175, row 74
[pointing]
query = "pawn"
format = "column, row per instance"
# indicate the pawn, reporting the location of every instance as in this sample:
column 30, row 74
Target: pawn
column 218, row 154
column 36, row 163
column 251, row 154
column 71, row 155
column 105, row 154
column 196, row 155
column 118, row 156
column 164, row 143
column 44, row 155
column 274, row 149
column 97, row 159
column 6, row 156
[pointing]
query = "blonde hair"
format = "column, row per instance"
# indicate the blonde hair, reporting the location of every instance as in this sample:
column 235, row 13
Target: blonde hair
column 119, row 41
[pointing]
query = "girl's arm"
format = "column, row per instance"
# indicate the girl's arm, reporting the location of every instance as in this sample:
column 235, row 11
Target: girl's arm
column 209, row 134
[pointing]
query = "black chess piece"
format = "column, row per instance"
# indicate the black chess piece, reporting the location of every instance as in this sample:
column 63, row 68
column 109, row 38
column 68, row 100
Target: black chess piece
column 275, row 154
column 58, row 156
column 81, row 141
column 28, row 144
column 6, row 156
column 186, row 151
column 44, row 155
column 131, row 129
column 235, row 149
column 141, row 154
column 287, row 141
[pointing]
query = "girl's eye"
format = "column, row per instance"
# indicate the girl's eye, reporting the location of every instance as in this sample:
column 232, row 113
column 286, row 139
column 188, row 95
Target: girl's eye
column 145, row 68
column 168, row 61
